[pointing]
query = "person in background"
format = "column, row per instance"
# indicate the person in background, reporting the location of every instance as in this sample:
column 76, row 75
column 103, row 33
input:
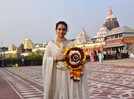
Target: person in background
column 100, row 57
column 92, row 56
column 95, row 56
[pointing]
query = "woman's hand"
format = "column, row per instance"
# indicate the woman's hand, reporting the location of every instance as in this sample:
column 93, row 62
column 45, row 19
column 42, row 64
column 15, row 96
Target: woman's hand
column 59, row 56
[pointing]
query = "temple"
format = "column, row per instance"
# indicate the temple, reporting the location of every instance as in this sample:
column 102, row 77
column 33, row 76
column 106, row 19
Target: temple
column 111, row 21
column 116, row 41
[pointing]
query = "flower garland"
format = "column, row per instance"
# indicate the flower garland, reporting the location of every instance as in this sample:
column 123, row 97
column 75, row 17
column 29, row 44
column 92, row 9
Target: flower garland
column 75, row 60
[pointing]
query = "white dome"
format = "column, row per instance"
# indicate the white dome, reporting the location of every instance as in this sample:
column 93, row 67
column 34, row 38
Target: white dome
column 28, row 43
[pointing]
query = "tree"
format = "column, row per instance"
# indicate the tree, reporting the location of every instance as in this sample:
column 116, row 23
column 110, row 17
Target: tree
column 34, row 58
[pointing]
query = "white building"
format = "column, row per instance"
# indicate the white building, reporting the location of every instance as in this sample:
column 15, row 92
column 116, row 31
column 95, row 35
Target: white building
column 82, row 38
column 39, row 47
column 28, row 44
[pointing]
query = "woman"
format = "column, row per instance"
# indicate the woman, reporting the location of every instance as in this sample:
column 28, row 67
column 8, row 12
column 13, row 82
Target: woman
column 57, row 82
column 92, row 56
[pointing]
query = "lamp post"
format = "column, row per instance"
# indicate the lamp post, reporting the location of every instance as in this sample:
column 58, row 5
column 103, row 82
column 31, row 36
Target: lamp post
column 2, row 54
column 22, row 60
column 3, row 58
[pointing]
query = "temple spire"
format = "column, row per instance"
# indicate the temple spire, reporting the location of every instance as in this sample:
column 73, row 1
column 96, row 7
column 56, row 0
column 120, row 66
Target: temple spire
column 110, row 11
column 111, row 21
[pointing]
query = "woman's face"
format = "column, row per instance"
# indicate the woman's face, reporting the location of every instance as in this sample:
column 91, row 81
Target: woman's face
column 61, row 31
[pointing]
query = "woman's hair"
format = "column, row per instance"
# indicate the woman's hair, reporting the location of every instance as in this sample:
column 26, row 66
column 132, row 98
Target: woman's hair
column 99, row 51
column 63, row 23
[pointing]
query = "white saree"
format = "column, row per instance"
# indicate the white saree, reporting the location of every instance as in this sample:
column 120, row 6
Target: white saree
column 57, row 82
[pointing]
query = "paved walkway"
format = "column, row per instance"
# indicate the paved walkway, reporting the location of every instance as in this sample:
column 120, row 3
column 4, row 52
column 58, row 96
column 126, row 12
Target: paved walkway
column 6, row 92
column 111, row 80
column 121, row 62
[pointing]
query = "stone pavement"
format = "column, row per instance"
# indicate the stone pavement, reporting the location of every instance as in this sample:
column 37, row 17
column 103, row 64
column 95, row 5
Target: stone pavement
column 121, row 62
column 32, row 73
column 6, row 92
column 111, row 80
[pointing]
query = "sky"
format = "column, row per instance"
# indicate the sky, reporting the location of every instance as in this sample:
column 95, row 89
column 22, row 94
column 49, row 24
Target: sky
column 35, row 19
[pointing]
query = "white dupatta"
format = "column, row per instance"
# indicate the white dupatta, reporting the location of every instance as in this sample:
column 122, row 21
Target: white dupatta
column 47, row 68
